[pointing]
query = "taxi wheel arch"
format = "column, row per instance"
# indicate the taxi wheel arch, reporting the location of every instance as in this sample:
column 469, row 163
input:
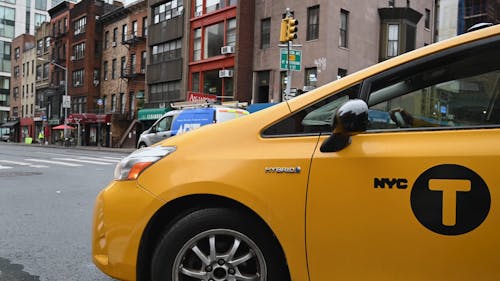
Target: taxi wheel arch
column 172, row 212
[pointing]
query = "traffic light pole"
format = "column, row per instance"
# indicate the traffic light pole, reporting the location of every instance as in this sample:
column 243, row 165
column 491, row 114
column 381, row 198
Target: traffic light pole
column 288, row 71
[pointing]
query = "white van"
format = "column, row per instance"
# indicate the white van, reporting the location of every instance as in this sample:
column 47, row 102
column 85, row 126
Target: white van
column 180, row 121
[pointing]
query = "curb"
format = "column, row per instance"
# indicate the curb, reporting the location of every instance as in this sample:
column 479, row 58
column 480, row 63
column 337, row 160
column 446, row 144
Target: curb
column 86, row 148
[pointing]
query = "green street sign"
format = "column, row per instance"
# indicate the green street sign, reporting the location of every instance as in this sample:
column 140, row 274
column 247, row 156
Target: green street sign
column 295, row 58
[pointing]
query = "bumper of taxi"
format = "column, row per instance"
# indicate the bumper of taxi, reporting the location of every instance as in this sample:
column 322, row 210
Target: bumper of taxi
column 121, row 213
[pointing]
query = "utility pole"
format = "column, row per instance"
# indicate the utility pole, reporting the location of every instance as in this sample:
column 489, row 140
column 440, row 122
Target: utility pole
column 288, row 32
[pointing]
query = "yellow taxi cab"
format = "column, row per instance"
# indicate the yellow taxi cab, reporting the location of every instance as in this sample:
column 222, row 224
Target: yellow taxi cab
column 387, row 174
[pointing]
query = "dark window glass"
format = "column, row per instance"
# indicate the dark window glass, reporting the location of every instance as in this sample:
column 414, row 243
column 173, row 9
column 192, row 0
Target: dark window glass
column 313, row 23
column 314, row 119
column 265, row 33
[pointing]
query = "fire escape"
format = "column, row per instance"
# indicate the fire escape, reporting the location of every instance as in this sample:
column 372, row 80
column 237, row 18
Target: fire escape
column 134, row 72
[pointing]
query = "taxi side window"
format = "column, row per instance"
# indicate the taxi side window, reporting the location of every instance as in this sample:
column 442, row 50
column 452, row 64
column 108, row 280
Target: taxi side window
column 314, row 119
column 164, row 124
column 460, row 90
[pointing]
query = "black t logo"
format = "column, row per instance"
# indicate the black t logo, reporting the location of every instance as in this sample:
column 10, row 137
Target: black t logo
column 450, row 199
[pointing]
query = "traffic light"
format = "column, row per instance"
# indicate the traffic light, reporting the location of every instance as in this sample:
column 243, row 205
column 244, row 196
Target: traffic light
column 288, row 30
column 292, row 28
column 283, row 30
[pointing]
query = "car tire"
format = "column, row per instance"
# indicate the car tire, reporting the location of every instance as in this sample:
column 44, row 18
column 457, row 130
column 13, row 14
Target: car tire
column 141, row 145
column 217, row 244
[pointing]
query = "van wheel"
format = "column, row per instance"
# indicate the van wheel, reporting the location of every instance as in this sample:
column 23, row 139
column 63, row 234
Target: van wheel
column 141, row 145
column 217, row 244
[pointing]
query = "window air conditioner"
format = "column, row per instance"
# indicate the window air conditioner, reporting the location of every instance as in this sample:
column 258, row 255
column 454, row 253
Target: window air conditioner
column 225, row 73
column 61, row 83
column 113, row 44
column 227, row 50
column 72, row 58
column 77, row 83
column 198, row 13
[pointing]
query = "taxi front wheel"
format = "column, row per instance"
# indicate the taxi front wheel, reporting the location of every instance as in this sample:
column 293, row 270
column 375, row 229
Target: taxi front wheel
column 218, row 244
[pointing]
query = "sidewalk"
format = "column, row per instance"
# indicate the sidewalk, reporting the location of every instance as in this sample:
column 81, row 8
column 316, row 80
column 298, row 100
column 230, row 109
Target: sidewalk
column 87, row 148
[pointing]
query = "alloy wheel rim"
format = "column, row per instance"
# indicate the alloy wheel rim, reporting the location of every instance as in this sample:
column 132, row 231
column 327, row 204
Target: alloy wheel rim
column 219, row 255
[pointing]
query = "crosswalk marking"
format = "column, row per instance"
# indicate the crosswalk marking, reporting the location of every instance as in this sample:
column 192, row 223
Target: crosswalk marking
column 54, row 162
column 83, row 161
column 59, row 159
column 23, row 164
column 100, row 159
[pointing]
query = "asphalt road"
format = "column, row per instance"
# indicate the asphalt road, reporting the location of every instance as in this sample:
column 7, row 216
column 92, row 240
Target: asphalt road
column 46, row 203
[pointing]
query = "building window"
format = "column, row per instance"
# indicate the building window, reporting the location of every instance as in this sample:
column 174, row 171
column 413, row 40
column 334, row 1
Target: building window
column 313, row 23
column 113, row 103
column 47, row 44
column 231, row 32
column 195, row 82
column 115, row 36
column 144, row 26
column 80, row 25
column 41, row 5
column 39, row 19
column 106, row 39
column 392, row 40
column 133, row 63
column 45, row 71
column 214, row 40
column 391, row 3
column 344, row 21
column 105, row 70
column 198, row 8
column 169, row 91
column 79, row 51
column 124, row 32
column 197, row 45
column 143, row 61
column 113, row 69
column 168, row 10
column 341, row 72
column 166, row 52
column 265, row 33
column 78, row 76
column 123, row 66
column 123, row 103
column 134, row 29
column 311, row 76
column 7, row 23
column 214, row 5
column 427, row 20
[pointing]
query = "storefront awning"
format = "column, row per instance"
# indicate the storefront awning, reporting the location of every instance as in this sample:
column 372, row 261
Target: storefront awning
column 151, row 113
column 9, row 124
column 82, row 118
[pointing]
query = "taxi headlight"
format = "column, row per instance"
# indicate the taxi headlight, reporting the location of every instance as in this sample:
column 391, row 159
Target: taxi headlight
column 133, row 165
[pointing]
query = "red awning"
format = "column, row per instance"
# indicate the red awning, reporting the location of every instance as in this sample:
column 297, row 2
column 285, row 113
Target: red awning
column 88, row 118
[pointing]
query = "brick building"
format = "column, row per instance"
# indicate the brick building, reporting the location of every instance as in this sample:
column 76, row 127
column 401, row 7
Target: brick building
column 123, row 70
column 336, row 38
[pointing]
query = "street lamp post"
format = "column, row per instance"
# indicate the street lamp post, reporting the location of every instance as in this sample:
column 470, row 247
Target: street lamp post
column 65, row 106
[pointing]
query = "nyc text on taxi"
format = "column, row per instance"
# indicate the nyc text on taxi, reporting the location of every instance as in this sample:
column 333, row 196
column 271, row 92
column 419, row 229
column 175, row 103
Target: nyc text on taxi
column 390, row 173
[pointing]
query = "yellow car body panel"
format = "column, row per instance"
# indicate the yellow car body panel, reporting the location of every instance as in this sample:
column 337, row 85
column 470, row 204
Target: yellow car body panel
column 321, row 213
column 121, row 212
column 241, row 175
column 357, row 232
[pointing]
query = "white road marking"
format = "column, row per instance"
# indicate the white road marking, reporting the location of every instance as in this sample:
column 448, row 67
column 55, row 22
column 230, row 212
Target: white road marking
column 23, row 164
column 83, row 161
column 100, row 159
column 54, row 162
column 4, row 167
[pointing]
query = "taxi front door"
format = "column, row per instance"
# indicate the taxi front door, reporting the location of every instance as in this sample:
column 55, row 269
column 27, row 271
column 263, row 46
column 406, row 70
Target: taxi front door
column 406, row 206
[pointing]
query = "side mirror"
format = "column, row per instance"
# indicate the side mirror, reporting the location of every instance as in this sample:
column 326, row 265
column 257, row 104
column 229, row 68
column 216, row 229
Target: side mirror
column 350, row 119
